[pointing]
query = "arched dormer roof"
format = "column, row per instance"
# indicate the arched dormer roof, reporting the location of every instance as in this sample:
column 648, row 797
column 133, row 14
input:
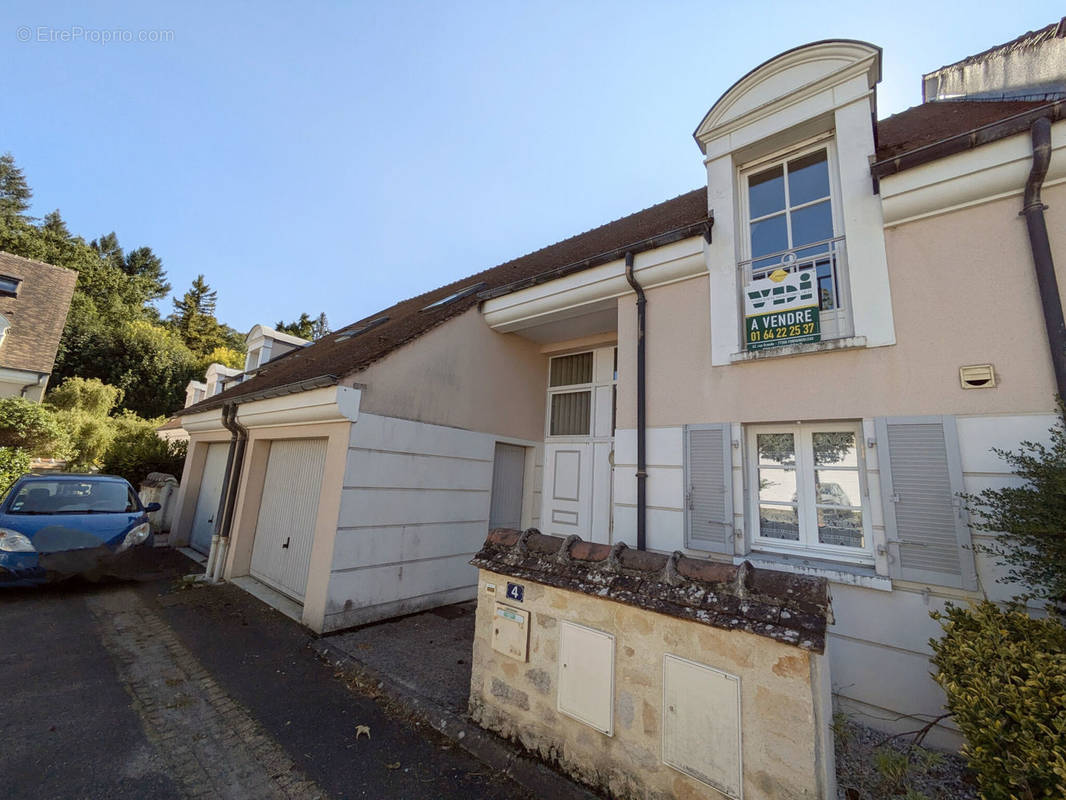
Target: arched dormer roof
column 787, row 79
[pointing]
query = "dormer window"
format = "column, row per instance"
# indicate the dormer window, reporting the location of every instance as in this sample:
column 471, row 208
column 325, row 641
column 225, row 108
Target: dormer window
column 793, row 277
column 9, row 287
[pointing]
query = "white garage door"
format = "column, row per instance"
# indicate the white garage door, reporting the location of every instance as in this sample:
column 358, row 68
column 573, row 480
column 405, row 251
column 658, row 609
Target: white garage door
column 281, row 553
column 207, row 502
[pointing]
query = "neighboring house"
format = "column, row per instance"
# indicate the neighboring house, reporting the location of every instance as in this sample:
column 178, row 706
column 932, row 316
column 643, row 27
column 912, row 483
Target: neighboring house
column 263, row 345
column 34, row 300
column 839, row 327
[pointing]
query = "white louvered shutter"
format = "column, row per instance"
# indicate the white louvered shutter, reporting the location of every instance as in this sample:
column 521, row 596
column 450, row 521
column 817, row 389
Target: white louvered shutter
column 709, row 488
column 926, row 526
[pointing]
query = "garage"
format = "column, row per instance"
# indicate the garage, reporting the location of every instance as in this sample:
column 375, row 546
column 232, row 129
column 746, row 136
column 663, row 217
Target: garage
column 207, row 501
column 285, row 527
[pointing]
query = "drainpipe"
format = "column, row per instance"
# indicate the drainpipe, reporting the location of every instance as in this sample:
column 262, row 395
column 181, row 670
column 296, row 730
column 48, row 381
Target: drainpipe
column 228, row 501
column 40, row 380
column 1033, row 211
column 642, row 467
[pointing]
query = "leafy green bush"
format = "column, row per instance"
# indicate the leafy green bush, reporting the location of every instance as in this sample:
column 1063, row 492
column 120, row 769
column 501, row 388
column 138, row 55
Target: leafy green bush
column 1005, row 678
column 136, row 450
column 29, row 426
column 1029, row 521
column 14, row 463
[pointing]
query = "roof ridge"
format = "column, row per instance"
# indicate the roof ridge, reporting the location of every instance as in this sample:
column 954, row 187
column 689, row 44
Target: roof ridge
column 38, row 262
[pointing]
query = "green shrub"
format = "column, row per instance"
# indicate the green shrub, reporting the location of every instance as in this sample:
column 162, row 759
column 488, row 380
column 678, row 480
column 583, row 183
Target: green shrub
column 29, row 426
column 1029, row 520
column 14, row 463
column 1005, row 678
column 136, row 450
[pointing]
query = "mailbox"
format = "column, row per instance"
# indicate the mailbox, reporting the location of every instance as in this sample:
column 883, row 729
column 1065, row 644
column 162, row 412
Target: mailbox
column 510, row 631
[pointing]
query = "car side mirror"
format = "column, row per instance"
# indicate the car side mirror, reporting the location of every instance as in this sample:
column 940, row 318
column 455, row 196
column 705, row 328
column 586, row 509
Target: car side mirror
column 152, row 507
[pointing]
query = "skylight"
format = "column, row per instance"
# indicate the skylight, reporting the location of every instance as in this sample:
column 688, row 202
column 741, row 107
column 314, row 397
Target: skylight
column 348, row 334
column 469, row 290
column 9, row 286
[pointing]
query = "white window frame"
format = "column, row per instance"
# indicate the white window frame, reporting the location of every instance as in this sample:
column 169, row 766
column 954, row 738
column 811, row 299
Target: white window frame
column 837, row 323
column 571, row 388
column 808, row 544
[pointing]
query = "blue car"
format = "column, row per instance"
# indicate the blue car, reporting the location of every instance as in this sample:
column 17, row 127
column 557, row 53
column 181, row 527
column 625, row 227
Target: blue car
column 57, row 526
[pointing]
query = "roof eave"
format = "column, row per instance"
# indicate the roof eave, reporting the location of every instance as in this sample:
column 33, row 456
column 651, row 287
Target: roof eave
column 968, row 140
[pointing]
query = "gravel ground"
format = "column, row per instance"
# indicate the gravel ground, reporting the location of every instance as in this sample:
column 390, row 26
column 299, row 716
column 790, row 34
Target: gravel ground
column 866, row 771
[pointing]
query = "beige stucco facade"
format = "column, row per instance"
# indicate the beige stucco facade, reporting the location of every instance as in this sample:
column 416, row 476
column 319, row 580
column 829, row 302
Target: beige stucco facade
column 963, row 292
column 783, row 698
column 464, row 375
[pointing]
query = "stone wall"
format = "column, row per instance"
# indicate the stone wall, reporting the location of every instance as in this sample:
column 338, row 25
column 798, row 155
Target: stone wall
column 763, row 628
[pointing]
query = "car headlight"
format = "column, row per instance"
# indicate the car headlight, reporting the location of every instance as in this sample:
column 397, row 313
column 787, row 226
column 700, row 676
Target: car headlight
column 15, row 542
column 135, row 537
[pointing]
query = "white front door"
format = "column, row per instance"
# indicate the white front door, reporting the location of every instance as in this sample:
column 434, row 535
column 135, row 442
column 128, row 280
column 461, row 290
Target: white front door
column 288, row 511
column 579, row 444
column 208, row 500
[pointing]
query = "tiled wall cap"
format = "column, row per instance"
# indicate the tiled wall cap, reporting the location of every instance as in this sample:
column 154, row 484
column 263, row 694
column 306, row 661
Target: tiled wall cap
column 790, row 608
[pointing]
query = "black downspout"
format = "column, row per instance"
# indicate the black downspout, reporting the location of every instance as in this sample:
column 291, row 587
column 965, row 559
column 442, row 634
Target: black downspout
column 1033, row 211
column 642, row 467
column 233, row 469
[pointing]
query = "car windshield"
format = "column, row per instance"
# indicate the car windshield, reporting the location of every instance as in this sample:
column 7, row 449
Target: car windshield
column 87, row 496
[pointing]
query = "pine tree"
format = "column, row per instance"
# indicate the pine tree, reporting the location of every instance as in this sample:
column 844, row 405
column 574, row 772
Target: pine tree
column 15, row 193
column 194, row 318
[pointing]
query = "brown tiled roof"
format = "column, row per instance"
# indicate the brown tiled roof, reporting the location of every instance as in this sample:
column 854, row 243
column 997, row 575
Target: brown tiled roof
column 337, row 356
column 934, row 121
column 37, row 315
column 793, row 609
column 170, row 425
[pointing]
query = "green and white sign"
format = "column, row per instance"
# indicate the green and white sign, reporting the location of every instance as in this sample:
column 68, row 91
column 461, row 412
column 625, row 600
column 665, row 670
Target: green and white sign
column 782, row 309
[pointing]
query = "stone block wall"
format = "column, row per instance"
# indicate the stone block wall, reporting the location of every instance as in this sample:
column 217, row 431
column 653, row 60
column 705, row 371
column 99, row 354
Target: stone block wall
column 765, row 629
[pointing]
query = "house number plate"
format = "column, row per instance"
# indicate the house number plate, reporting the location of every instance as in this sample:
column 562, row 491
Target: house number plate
column 516, row 592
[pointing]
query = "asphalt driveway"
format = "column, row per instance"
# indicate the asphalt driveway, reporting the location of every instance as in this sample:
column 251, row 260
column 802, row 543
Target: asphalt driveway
column 145, row 688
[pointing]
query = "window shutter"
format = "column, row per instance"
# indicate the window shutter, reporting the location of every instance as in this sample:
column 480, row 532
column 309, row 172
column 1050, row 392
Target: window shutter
column 709, row 488
column 925, row 523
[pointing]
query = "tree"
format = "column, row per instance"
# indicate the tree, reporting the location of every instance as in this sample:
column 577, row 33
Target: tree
column 1029, row 521
column 142, row 263
column 28, row 426
column 194, row 318
column 226, row 356
column 15, row 192
column 136, row 451
column 82, row 408
column 305, row 327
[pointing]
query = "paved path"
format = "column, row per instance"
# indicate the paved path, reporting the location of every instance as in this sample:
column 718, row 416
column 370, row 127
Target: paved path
column 141, row 690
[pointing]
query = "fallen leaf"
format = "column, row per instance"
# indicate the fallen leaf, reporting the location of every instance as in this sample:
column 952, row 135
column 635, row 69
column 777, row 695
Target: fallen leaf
column 395, row 765
column 361, row 729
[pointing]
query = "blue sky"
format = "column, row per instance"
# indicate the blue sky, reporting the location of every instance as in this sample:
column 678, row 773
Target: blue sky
column 338, row 157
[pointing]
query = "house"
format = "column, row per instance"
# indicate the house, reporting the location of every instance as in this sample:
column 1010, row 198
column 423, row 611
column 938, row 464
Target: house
column 262, row 344
column 799, row 364
column 34, row 299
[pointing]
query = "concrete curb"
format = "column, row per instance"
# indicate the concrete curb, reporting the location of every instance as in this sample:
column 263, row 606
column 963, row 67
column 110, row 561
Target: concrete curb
column 495, row 752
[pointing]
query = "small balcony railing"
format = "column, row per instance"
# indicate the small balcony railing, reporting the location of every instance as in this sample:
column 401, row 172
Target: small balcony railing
column 828, row 259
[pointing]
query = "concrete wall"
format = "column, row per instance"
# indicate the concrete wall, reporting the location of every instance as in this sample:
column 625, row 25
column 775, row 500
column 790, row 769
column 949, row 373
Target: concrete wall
column 465, row 375
column 783, row 698
column 414, row 510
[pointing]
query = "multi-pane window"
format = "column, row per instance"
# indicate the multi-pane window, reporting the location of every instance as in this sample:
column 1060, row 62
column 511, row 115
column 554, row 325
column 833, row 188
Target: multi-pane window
column 808, row 489
column 791, row 226
column 570, row 407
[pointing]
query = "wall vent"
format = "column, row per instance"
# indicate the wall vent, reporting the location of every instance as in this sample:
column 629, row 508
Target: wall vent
column 977, row 376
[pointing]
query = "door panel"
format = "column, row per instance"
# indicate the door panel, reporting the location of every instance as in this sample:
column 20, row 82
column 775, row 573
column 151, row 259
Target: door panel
column 207, row 501
column 508, row 483
column 568, row 489
column 288, row 511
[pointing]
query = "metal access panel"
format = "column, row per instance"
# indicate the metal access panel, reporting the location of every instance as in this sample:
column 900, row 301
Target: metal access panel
column 701, row 724
column 510, row 631
column 586, row 676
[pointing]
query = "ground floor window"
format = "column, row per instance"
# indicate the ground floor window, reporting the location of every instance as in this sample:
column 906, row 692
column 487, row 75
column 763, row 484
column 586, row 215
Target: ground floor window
column 808, row 490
